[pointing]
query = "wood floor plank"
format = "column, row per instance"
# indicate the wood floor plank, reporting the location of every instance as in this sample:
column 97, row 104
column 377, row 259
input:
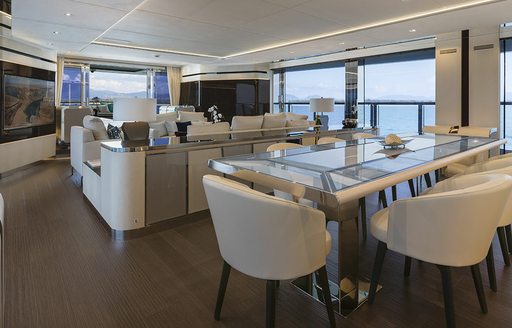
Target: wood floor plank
column 63, row 270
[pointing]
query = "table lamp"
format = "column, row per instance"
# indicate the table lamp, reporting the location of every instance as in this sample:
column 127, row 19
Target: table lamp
column 134, row 109
column 321, row 105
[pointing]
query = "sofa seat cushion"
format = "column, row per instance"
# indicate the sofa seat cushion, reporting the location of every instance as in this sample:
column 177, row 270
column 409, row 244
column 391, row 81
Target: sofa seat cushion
column 159, row 129
column 96, row 126
column 191, row 116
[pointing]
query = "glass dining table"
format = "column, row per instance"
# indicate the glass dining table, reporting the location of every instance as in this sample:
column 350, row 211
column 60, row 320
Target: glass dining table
column 335, row 174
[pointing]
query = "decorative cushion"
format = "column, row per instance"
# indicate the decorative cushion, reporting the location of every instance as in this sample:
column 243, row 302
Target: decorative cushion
column 159, row 129
column 96, row 126
column 246, row 122
column 295, row 117
column 114, row 132
column 182, row 127
column 171, row 127
column 272, row 121
column 191, row 116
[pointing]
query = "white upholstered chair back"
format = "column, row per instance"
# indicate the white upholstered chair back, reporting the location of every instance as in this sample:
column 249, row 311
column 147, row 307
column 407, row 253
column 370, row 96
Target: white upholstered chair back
column 328, row 140
column 497, row 166
column 283, row 146
column 462, row 218
column 362, row 135
column 264, row 236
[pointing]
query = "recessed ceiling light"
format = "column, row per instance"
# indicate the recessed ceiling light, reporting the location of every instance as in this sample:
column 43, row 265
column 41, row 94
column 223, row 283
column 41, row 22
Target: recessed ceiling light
column 341, row 43
column 68, row 14
column 292, row 52
column 412, row 30
column 56, row 32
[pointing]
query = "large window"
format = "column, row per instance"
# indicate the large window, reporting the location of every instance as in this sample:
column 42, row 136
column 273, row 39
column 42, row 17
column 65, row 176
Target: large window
column 302, row 85
column 401, row 89
column 506, row 92
column 72, row 85
column 84, row 85
column 396, row 92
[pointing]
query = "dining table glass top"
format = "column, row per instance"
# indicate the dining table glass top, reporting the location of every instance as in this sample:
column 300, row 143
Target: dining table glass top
column 338, row 166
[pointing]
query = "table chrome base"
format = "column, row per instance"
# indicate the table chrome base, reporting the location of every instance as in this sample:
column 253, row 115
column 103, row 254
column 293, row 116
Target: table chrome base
column 349, row 302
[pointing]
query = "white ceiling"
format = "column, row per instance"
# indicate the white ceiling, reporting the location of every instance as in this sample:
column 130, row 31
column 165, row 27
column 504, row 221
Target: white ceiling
column 221, row 28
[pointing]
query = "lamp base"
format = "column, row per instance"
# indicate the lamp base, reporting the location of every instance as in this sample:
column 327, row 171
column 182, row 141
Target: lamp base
column 322, row 120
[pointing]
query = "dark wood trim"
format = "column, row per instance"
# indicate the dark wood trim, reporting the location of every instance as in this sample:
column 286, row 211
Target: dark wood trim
column 464, row 104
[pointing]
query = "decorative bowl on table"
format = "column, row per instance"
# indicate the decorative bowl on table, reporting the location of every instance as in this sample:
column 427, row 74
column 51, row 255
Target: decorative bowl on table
column 392, row 141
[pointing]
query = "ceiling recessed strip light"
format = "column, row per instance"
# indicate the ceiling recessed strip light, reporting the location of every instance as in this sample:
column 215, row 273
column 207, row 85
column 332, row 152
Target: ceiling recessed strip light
column 168, row 51
column 400, row 19
column 119, row 21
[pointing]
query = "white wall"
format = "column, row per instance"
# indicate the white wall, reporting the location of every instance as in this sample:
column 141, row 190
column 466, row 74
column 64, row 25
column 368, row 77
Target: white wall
column 484, row 78
column 448, row 79
column 19, row 153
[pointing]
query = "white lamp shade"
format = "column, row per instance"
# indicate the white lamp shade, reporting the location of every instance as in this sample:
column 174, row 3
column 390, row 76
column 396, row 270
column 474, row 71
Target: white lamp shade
column 134, row 109
column 321, row 105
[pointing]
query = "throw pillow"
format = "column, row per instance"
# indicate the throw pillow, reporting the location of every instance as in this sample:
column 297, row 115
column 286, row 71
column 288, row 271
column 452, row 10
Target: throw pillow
column 247, row 122
column 114, row 132
column 171, row 128
column 272, row 121
column 159, row 129
column 182, row 128
column 96, row 126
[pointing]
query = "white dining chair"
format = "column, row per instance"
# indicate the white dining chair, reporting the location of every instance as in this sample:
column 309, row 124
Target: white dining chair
column 283, row 146
column 449, row 229
column 328, row 140
column 267, row 238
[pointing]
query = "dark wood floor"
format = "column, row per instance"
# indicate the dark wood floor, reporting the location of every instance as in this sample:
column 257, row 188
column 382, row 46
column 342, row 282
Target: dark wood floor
column 63, row 270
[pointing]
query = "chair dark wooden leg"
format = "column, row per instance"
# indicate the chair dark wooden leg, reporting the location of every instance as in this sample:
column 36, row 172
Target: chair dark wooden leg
column 383, row 199
column 278, row 284
column 491, row 271
column 407, row 266
column 449, row 307
column 503, row 245
column 271, row 304
column 428, row 181
column 477, row 279
column 508, row 233
column 437, row 175
column 411, row 187
column 362, row 206
column 324, row 283
column 393, row 193
column 377, row 269
column 72, row 171
column 222, row 289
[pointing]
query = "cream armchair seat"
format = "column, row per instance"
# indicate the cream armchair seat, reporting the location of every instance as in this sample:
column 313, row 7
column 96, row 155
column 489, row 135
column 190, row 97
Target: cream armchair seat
column 449, row 229
column 267, row 238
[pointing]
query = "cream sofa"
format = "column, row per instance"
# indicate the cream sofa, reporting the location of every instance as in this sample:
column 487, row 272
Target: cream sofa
column 85, row 147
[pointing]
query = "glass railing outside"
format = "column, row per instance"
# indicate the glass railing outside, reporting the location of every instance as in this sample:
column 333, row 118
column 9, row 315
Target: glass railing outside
column 389, row 116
